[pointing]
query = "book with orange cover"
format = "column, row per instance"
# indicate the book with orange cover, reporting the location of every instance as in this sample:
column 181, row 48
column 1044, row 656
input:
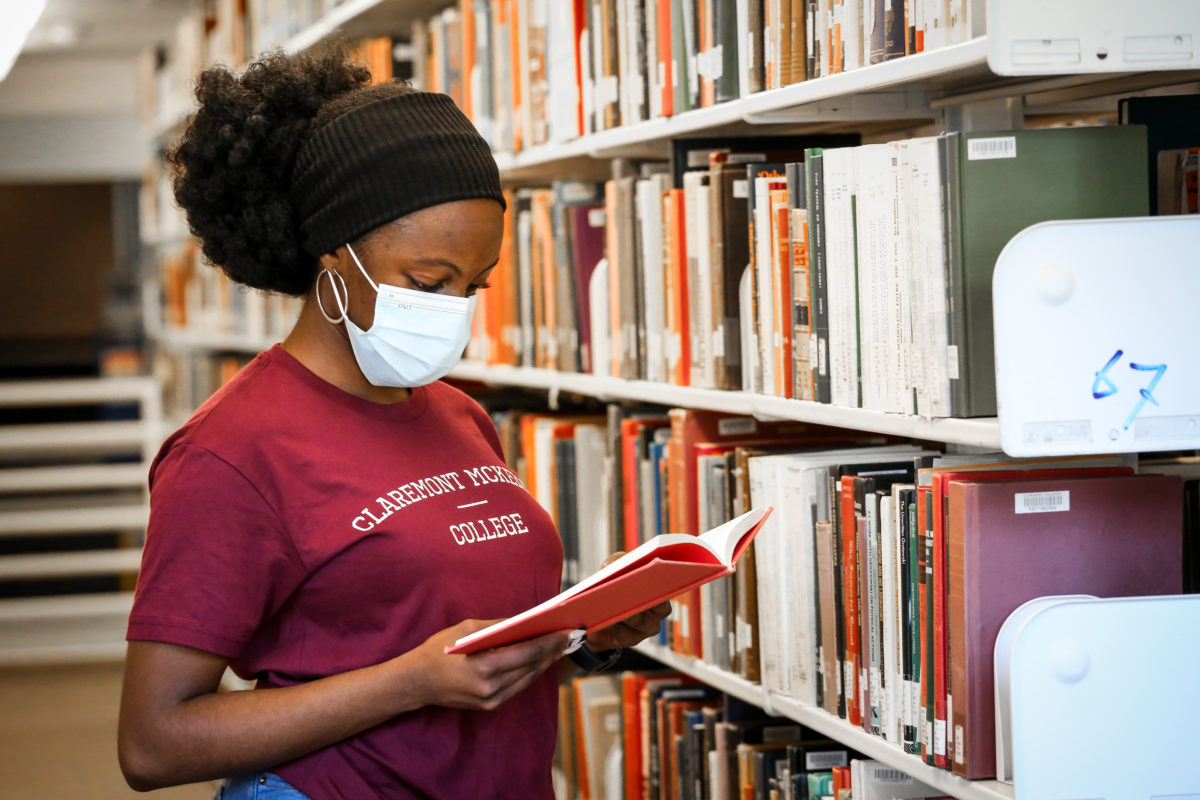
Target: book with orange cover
column 633, row 725
column 658, row 570
column 663, row 77
column 678, row 344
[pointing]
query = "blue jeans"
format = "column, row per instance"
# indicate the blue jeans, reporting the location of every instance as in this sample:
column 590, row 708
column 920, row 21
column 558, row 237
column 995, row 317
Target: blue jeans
column 258, row 786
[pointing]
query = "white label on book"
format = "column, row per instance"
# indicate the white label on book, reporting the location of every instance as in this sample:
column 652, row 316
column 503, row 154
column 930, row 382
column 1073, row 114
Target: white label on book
column 952, row 362
column 736, row 426
column 890, row 775
column 928, row 740
column 939, row 737
column 741, row 189
column 596, row 218
column 608, row 89
column 718, row 342
column 637, row 88
column 742, row 635
column 825, row 759
column 1042, row 502
column 958, row 744
column 612, row 723
column 991, row 147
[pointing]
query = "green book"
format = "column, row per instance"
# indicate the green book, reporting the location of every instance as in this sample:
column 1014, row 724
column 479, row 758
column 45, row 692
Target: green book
column 997, row 185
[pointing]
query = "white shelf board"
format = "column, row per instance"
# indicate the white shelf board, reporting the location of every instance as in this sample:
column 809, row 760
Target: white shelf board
column 74, row 477
column 112, row 437
column 982, row 432
column 953, row 65
column 76, row 391
column 820, row 720
column 331, row 22
column 100, row 604
column 185, row 339
column 59, row 565
column 52, row 521
column 364, row 18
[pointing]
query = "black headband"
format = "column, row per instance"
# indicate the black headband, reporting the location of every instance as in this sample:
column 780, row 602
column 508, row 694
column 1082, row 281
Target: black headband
column 384, row 160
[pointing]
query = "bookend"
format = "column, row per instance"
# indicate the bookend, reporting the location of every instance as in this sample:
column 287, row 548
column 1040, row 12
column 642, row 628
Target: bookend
column 1095, row 335
column 1103, row 698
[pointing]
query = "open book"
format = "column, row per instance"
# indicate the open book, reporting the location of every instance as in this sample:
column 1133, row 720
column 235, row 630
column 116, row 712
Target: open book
column 658, row 570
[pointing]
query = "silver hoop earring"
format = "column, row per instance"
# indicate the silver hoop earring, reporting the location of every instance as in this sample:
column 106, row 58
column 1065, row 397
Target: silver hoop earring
column 337, row 297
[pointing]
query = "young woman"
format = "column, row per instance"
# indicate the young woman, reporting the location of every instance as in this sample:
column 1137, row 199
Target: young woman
column 308, row 524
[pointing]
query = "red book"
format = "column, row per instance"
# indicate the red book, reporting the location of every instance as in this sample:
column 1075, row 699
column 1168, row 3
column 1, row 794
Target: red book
column 633, row 726
column 943, row 729
column 849, row 536
column 678, row 343
column 666, row 79
column 658, row 570
column 1020, row 539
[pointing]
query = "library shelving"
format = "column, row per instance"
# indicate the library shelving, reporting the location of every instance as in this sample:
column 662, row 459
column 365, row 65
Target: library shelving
column 820, row 720
column 973, row 432
column 952, row 87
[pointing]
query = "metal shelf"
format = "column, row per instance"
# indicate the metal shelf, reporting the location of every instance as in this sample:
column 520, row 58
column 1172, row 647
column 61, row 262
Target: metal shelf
column 983, row 432
column 831, row 726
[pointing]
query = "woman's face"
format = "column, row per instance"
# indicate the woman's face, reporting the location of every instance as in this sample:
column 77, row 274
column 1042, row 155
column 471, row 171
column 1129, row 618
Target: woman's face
column 446, row 249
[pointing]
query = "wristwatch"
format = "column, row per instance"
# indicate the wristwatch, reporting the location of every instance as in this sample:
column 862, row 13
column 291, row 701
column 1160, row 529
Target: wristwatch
column 590, row 660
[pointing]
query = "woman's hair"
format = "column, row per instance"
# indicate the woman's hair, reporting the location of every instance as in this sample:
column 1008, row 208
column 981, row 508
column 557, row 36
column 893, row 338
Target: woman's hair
column 233, row 164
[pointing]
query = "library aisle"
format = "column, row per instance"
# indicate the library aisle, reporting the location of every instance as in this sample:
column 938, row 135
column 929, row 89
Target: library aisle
column 917, row 276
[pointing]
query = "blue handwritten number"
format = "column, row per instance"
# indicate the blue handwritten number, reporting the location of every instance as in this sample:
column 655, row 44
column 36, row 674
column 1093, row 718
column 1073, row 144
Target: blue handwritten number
column 1102, row 375
column 1147, row 394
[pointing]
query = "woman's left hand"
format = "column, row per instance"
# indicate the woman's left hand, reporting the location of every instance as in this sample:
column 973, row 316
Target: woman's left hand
column 630, row 630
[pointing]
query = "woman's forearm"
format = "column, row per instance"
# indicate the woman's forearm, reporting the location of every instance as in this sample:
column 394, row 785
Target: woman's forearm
column 216, row 734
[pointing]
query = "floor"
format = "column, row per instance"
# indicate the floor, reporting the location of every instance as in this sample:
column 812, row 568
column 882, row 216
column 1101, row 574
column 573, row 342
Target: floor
column 58, row 736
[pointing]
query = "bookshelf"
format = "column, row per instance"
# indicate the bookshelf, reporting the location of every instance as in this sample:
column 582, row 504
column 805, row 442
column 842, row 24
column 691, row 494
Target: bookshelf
column 833, row 727
column 953, row 86
column 975, row 432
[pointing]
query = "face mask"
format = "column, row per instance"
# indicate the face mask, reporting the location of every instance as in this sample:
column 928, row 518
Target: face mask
column 416, row 338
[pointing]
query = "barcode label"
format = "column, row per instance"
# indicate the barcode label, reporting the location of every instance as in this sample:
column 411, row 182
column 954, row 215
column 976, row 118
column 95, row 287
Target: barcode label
column 992, row 147
column 825, row 759
column 736, row 426
column 958, row 744
column 890, row 775
column 1042, row 502
column 595, row 218
column 741, row 189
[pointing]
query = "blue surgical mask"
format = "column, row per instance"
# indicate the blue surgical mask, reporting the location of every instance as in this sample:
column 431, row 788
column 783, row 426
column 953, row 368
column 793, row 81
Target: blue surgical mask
column 416, row 338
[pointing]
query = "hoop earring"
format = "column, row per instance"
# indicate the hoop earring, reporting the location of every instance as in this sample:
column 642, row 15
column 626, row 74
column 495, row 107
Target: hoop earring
column 336, row 296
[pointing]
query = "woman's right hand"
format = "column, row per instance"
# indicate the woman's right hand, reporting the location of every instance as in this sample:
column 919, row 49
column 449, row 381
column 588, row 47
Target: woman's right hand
column 483, row 680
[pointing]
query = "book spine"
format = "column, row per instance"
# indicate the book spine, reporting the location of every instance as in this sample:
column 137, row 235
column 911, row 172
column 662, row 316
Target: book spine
column 940, row 641
column 928, row 678
column 907, row 512
column 849, row 539
column 955, row 277
column 818, row 291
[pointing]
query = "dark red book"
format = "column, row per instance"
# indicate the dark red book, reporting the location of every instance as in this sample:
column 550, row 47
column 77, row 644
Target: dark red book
column 1016, row 540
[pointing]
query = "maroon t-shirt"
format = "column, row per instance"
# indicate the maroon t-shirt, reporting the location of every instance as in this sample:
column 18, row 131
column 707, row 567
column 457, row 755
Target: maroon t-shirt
column 302, row 532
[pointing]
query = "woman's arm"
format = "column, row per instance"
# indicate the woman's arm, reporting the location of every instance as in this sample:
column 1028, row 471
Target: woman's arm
column 175, row 727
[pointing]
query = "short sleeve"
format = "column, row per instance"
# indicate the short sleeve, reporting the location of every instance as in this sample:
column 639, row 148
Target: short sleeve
column 217, row 562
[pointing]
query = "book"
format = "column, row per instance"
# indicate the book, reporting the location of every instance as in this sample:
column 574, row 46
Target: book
column 1011, row 541
column 662, row 568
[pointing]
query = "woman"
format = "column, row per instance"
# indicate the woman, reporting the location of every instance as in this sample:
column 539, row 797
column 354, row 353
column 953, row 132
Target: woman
column 303, row 522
